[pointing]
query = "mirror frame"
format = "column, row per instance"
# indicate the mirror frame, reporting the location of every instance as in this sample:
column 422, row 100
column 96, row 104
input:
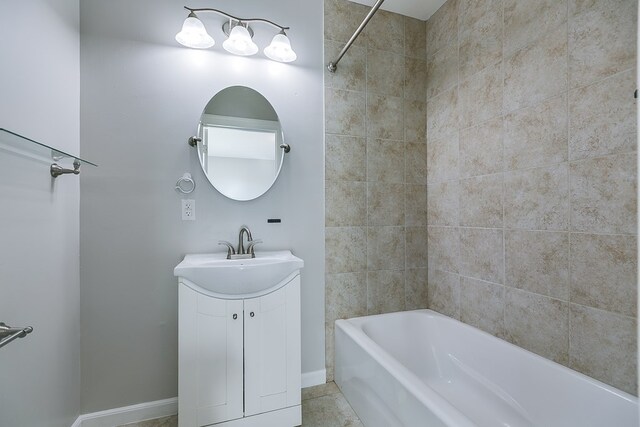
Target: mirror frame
column 284, row 147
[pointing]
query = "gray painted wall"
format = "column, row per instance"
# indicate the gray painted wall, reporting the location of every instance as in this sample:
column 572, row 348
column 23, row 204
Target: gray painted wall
column 39, row 285
column 142, row 96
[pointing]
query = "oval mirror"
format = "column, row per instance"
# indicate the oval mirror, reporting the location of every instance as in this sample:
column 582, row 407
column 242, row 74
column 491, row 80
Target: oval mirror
column 240, row 143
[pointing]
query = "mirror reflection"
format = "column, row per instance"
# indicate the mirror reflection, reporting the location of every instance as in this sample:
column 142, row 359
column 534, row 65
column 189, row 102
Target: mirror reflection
column 240, row 149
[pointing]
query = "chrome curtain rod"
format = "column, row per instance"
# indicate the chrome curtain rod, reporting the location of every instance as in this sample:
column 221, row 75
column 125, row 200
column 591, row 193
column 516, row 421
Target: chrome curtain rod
column 235, row 18
column 333, row 65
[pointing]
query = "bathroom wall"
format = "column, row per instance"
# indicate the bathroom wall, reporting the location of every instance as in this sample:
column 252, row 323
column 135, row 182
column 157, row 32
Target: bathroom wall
column 39, row 284
column 142, row 96
column 532, row 176
column 375, row 166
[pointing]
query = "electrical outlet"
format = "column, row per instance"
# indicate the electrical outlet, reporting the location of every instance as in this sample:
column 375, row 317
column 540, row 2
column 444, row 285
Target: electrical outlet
column 188, row 210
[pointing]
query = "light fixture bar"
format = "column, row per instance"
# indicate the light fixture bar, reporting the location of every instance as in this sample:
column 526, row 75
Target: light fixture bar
column 235, row 18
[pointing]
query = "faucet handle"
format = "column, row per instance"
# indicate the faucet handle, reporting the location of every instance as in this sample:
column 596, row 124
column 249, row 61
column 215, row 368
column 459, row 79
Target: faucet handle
column 250, row 249
column 230, row 249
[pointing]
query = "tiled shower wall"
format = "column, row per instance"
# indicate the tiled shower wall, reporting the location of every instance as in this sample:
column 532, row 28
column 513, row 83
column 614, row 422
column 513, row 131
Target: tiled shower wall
column 375, row 188
column 532, row 176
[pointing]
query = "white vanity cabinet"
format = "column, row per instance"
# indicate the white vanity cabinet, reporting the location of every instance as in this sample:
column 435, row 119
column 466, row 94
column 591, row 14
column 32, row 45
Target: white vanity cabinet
column 239, row 359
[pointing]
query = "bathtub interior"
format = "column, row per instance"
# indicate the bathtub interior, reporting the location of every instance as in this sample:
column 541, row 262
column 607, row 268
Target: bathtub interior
column 490, row 381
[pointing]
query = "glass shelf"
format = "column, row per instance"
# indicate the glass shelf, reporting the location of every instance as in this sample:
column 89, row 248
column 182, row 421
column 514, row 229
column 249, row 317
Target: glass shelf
column 19, row 144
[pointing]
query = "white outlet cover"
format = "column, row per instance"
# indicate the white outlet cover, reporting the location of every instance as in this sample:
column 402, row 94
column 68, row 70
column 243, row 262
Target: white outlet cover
column 188, row 210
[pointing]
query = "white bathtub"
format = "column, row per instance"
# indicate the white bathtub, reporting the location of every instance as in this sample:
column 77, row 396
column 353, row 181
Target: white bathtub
column 420, row 368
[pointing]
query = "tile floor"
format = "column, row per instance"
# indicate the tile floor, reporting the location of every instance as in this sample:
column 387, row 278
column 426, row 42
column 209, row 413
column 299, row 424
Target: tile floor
column 322, row 406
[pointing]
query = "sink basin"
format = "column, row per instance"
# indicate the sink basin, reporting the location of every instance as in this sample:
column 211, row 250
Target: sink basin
column 238, row 278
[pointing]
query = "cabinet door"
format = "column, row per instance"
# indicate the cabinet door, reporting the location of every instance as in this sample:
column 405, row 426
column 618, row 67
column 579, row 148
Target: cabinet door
column 272, row 350
column 210, row 359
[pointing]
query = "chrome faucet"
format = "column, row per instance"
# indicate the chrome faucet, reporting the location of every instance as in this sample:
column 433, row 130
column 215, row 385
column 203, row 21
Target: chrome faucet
column 241, row 252
column 244, row 229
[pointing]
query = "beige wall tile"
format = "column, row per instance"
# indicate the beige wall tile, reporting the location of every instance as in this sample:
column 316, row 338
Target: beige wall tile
column 352, row 75
column 603, row 117
column 537, row 199
column 538, row 323
column 443, row 203
column 601, row 343
column 602, row 42
column 385, row 204
column 443, row 248
column 604, row 194
column 604, row 272
column 329, row 349
column 480, row 33
column 415, row 121
column 481, row 149
column 442, row 70
column 346, row 203
column 481, row 201
column 385, row 73
column 385, row 291
column 415, row 288
column 443, row 115
column 478, row 19
column 482, row 305
column 444, row 293
column 391, row 25
column 345, row 295
column 536, row 72
column 385, row 248
column 538, row 261
column 415, row 38
column 385, row 160
column 536, row 136
column 577, row 7
column 415, row 79
column 340, row 19
column 416, row 247
column 344, row 249
column 482, row 254
column 345, row 112
column 442, row 158
column 383, row 113
column 345, row 158
column 525, row 21
column 415, row 202
column 416, row 163
column 442, row 27
column 481, row 97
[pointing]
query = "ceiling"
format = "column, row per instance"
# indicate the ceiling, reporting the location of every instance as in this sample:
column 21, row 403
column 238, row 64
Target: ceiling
column 421, row 9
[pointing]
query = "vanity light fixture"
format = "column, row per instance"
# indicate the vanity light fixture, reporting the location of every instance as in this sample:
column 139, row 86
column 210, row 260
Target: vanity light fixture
column 240, row 34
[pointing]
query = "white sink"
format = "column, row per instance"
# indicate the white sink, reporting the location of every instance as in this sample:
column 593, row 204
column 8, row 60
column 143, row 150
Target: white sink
column 238, row 278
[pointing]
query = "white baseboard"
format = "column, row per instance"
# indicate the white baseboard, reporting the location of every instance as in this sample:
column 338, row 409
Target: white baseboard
column 129, row 414
column 310, row 379
column 161, row 408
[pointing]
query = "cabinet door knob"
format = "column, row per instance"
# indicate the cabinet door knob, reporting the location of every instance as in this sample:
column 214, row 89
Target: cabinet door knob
column 252, row 314
column 235, row 316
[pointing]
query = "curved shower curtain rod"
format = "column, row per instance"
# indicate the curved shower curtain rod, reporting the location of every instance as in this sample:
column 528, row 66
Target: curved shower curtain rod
column 333, row 65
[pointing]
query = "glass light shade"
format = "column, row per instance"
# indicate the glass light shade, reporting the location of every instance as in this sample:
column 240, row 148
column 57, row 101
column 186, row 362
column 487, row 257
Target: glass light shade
column 280, row 49
column 194, row 34
column 239, row 42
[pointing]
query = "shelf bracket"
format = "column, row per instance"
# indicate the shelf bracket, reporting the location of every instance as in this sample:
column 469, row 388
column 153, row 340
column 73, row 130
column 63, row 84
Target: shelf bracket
column 57, row 170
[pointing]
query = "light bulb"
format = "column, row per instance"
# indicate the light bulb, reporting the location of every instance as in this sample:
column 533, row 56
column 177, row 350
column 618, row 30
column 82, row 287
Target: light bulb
column 194, row 34
column 239, row 42
column 280, row 49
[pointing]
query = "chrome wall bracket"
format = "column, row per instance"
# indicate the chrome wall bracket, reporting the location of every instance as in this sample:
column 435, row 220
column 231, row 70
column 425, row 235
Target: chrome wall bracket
column 8, row 334
column 57, row 170
column 193, row 141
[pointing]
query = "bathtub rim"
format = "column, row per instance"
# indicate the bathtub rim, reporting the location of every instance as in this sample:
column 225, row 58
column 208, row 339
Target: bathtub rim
column 441, row 407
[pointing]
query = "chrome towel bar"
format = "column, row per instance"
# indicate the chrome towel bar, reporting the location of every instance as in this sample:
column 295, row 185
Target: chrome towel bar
column 8, row 334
